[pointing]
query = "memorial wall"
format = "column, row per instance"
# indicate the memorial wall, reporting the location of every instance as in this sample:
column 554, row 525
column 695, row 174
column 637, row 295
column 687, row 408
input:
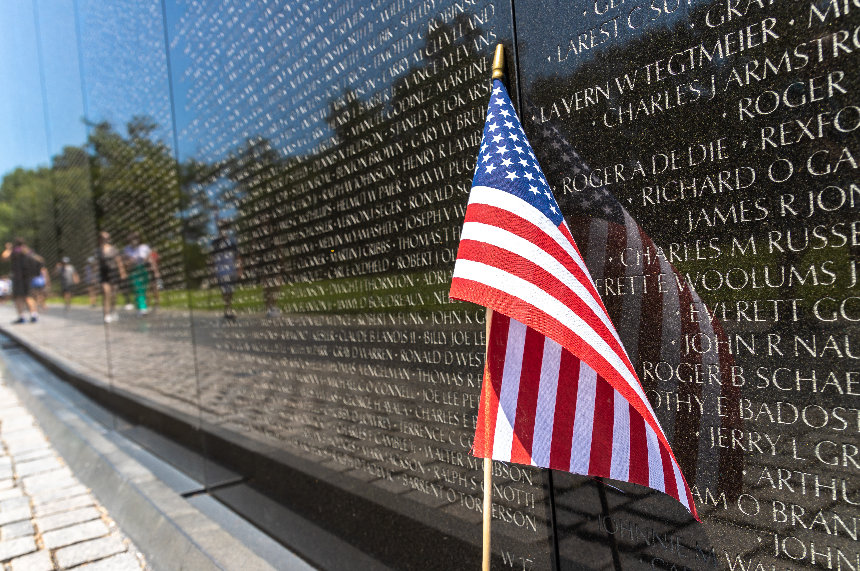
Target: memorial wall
column 298, row 174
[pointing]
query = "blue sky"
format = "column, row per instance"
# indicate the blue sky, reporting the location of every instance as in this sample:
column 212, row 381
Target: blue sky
column 24, row 139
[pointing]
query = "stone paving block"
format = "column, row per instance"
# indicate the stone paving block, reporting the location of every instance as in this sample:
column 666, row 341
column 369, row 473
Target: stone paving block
column 35, row 454
column 79, row 501
column 51, row 496
column 122, row 562
column 37, row 561
column 89, row 551
column 74, row 534
column 24, row 441
column 37, row 466
column 12, row 516
column 29, row 446
column 65, row 519
column 24, row 437
column 14, row 409
column 19, row 529
column 10, row 425
column 54, row 479
column 16, row 547
column 14, row 504
column 11, row 493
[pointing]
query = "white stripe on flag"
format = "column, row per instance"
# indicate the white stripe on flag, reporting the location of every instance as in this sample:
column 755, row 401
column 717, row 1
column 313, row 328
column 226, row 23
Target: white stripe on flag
column 656, row 479
column 679, row 483
column 527, row 249
column 549, row 372
column 583, row 422
column 524, row 290
column 510, row 391
column 519, row 207
column 619, row 469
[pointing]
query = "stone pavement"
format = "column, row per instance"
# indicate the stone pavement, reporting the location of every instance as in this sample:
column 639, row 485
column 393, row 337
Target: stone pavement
column 48, row 520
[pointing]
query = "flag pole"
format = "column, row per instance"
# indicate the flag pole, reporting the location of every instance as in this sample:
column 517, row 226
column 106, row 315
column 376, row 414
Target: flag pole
column 498, row 73
column 488, row 488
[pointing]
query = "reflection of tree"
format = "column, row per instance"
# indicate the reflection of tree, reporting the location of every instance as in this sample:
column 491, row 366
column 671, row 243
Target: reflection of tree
column 136, row 187
column 24, row 199
column 51, row 208
column 134, row 178
column 129, row 180
column 75, row 224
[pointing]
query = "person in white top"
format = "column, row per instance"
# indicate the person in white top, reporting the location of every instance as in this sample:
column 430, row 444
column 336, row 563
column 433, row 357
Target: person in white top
column 137, row 258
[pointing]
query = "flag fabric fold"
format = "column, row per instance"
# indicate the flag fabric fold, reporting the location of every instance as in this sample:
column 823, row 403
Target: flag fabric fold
column 559, row 390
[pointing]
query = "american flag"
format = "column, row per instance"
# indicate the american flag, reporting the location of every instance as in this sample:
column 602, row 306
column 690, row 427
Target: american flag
column 559, row 390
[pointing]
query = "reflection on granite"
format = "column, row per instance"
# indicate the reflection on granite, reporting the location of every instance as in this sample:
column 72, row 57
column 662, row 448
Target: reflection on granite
column 300, row 172
column 693, row 148
column 381, row 418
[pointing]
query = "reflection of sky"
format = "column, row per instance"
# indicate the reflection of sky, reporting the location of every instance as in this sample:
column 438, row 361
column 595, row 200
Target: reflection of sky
column 23, row 138
column 125, row 63
column 240, row 70
column 543, row 29
column 124, row 73
column 271, row 70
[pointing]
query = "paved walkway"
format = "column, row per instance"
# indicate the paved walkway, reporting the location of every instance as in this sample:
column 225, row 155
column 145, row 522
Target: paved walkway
column 48, row 520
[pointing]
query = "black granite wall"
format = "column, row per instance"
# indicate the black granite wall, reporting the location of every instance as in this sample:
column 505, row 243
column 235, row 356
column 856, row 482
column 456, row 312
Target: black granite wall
column 300, row 171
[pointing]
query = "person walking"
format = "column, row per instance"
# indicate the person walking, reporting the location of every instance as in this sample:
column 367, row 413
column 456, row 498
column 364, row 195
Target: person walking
column 138, row 257
column 111, row 271
column 23, row 269
column 68, row 279
column 41, row 282
column 226, row 265
column 91, row 279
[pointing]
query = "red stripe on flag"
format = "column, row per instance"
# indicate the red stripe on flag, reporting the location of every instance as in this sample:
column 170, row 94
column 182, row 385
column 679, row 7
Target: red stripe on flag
column 601, row 434
column 638, row 449
column 538, row 276
column 524, row 424
column 507, row 220
column 491, row 386
column 531, row 316
column 668, row 472
column 566, row 232
column 565, row 411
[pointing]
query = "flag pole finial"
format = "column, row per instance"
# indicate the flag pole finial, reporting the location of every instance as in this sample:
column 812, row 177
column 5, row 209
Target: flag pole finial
column 499, row 62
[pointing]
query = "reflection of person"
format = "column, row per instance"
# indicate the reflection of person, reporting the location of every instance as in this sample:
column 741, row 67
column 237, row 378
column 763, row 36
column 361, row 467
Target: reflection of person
column 41, row 282
column 270, row 269
column 156, row 283
column 111, row 271
column 24, row 269
column 68, row 279
column 226, row 265
column 90, row 279
column 5, row 288
column 137, row 255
